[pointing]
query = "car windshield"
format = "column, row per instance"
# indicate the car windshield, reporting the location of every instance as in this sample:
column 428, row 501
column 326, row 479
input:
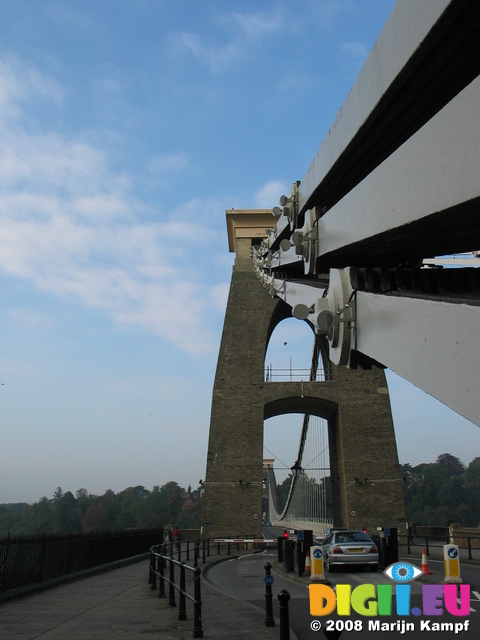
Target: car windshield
column 352, row 536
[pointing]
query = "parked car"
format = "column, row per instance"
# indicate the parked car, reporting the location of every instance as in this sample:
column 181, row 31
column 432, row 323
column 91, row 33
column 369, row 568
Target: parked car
column 328, row 531
column 342, row 548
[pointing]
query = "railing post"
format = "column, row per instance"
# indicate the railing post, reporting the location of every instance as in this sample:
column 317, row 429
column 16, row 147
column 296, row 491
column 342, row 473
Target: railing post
column 161, row 581
column 469, row 544
column 171, row 589
column 426, row 544
column 188, row 549
column 197, row 605
column 203, row 552
column 153, row 576
column 283, row 598
column 42, row 555
column 269, row 621
column 182, row 613
column 195, row 555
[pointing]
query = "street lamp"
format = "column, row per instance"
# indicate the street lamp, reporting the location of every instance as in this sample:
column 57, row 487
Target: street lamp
column 296, row 469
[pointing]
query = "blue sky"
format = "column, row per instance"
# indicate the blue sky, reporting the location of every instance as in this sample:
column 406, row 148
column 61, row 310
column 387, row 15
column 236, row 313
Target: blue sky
column 127, row 129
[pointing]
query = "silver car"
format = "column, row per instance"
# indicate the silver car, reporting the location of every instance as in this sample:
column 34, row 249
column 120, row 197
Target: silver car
column 343, row 548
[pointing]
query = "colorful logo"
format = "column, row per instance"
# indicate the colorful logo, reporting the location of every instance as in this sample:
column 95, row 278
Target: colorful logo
column 377, row 600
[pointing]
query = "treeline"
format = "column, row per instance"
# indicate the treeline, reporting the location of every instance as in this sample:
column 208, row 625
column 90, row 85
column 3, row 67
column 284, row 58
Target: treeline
column 436, row 493
column 443, row 491
column 134, row 507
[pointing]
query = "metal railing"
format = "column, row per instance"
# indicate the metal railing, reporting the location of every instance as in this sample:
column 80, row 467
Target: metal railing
column 289, row 374
column 158, row 561
column 168, row 560
column 467, row 544
column 30, row 561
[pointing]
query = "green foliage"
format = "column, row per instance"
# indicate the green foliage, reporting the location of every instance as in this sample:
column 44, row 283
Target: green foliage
column 132, row 508
column 443, row 491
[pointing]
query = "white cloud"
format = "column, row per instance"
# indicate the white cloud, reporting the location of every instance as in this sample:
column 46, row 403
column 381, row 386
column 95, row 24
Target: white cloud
column 355, row 49
column 260, row 24
column 162, row 164
column 245, row 31
column 73, row 227
column 267, row 197
column 20, row 84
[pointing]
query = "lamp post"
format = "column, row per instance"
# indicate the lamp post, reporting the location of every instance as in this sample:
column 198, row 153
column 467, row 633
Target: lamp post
column 296, row 469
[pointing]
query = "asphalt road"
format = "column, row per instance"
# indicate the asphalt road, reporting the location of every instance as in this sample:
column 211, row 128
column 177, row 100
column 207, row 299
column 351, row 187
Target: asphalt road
column 244, row 578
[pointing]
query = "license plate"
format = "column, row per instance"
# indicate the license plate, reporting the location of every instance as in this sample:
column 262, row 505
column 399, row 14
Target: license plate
column 356, row 550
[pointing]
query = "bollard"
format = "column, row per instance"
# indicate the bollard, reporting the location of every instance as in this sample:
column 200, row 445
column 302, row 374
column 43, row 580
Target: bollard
column 283, row 598
column 182, row 612
column 269, row 621
column 188, row 549
column 197, row 605
column 203, row 552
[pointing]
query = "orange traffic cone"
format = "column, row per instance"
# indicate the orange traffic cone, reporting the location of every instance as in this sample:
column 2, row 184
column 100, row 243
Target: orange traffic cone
column 307, row 563
column 425, row 568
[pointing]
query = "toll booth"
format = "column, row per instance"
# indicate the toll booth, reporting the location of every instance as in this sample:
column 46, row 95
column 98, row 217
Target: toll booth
column 386, row 540
column 288, row 555
column 304, row 542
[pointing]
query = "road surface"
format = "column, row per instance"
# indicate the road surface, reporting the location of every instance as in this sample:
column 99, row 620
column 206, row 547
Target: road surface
column 244, row 578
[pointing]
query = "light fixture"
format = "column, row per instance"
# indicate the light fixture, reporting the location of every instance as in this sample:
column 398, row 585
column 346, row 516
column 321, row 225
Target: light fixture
column 296, row 469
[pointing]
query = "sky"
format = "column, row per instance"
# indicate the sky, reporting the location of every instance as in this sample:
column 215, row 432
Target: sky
column 127, row 128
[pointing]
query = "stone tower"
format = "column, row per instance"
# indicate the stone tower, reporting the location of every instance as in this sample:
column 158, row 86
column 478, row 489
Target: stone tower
column 366, row 484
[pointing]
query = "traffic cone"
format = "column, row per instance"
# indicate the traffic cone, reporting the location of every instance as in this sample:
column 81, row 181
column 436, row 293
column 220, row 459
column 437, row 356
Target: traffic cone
column 425, row 568
column 307, row 563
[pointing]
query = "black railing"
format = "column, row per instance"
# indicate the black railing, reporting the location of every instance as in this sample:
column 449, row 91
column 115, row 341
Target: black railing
column 33, row 560
column 174, row 555
column 158, row 560
column 467, row 544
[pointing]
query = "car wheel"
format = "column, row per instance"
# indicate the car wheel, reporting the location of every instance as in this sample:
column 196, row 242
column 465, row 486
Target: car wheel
column 328, row 566
column 373, row 567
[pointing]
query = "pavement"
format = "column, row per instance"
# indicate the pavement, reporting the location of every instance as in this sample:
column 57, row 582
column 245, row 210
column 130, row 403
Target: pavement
column 121, row 604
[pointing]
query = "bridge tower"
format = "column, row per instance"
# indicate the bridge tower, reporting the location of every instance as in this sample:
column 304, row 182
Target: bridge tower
column 366, row 483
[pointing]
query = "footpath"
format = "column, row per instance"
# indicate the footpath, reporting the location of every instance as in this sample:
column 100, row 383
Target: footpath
column 121, row 604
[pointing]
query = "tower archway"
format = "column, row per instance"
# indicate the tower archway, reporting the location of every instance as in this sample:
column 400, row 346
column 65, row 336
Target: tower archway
column 355, row 403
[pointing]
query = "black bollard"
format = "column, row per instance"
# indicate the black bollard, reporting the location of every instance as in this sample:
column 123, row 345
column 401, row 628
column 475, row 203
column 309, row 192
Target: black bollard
column 283, row 598
column 197, row 605
column 269, row 621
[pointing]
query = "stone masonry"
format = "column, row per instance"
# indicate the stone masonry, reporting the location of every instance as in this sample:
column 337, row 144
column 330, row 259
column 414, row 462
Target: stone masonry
column 365, row 475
